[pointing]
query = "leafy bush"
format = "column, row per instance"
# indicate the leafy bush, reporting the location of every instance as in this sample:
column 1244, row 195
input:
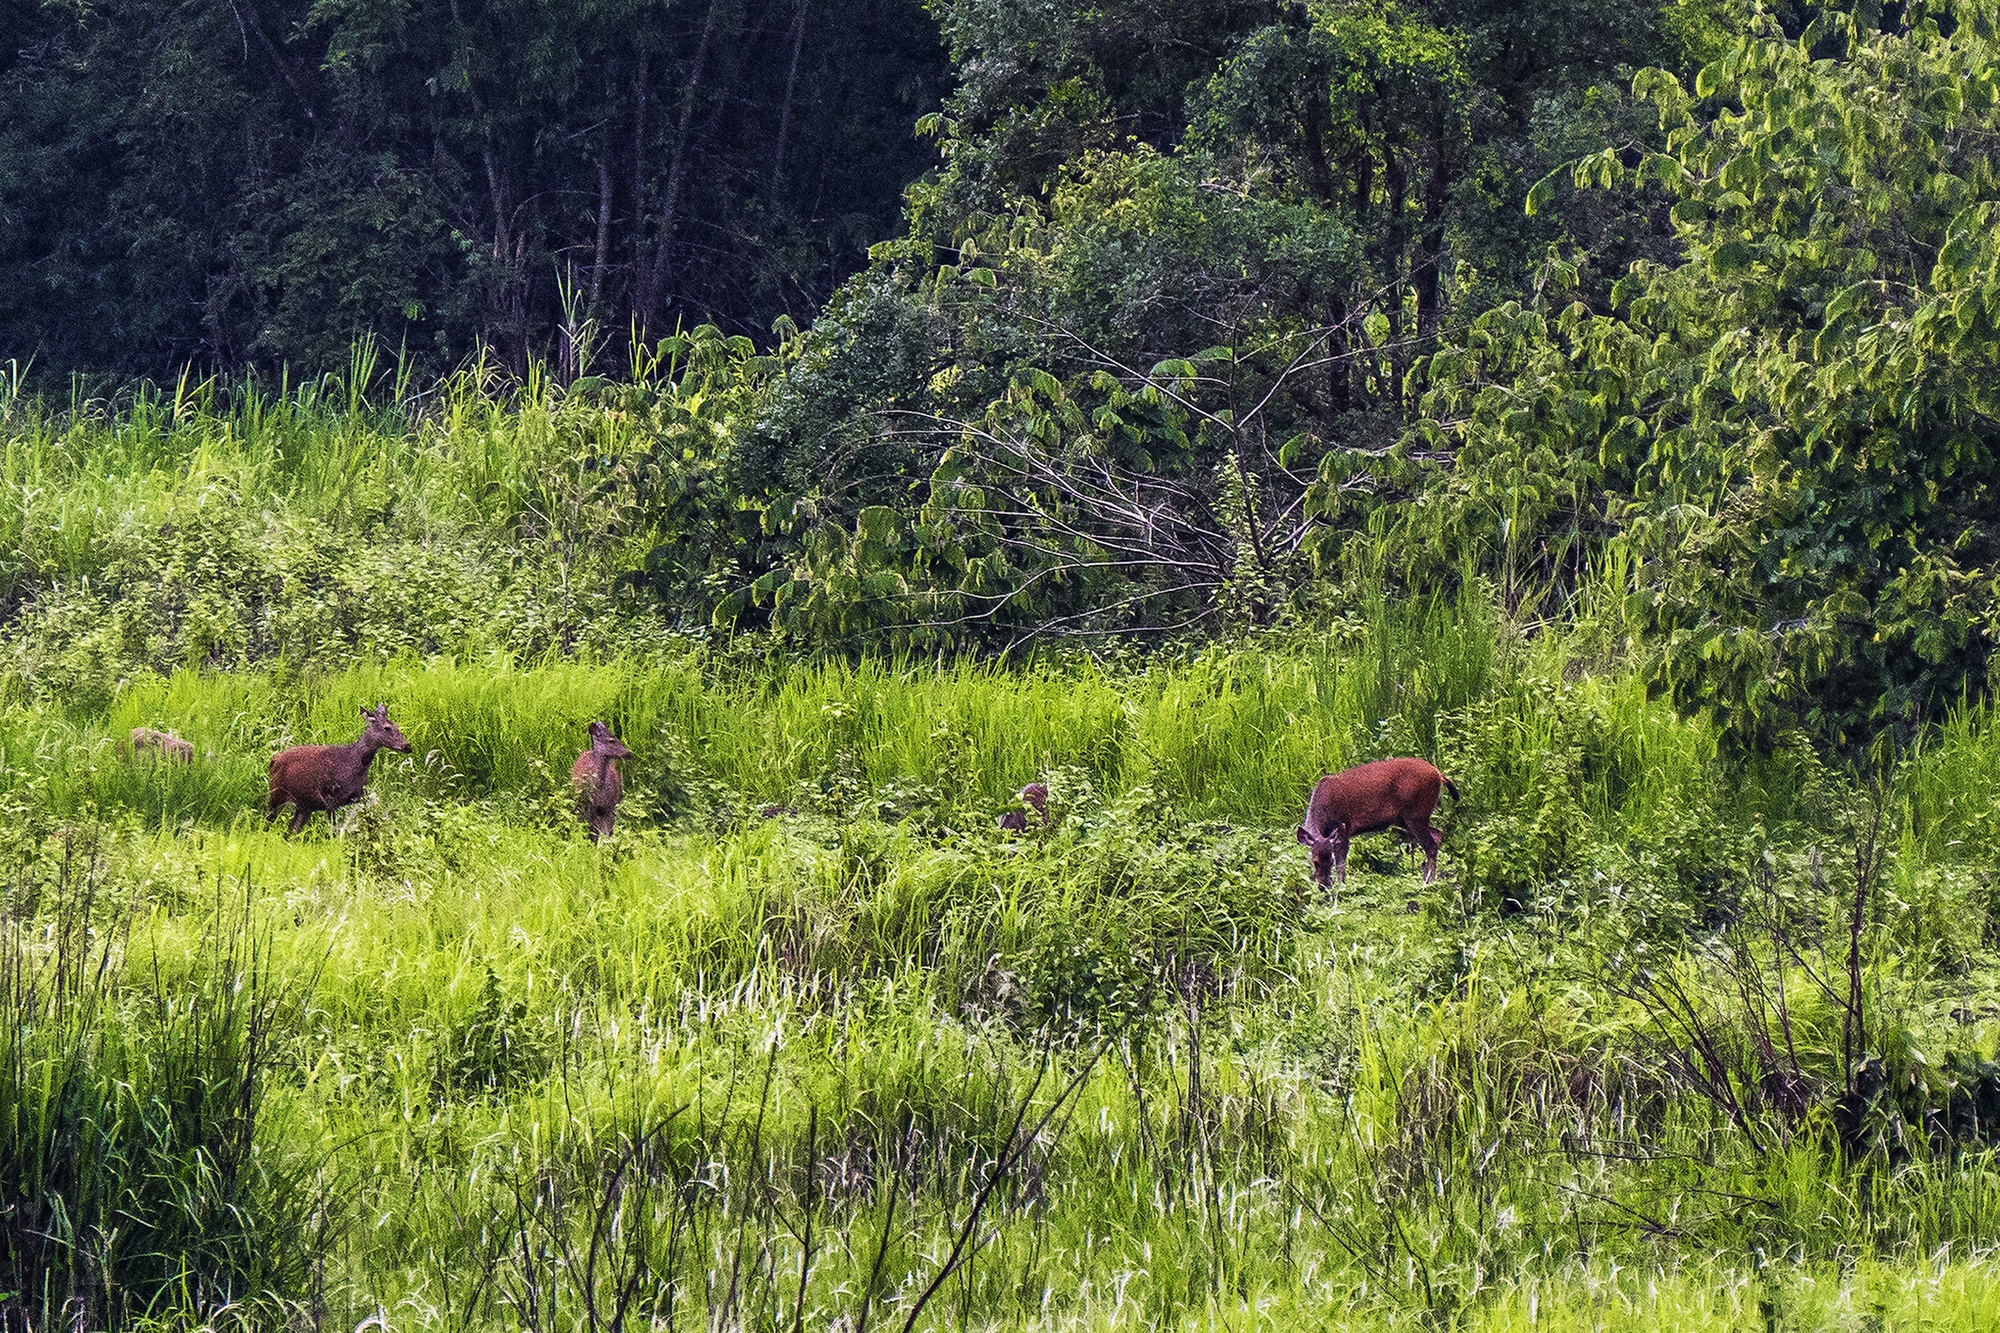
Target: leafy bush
column 1777, row 446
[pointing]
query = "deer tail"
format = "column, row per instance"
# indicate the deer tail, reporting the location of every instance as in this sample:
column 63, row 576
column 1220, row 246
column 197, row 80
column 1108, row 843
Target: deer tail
column 1450, row 786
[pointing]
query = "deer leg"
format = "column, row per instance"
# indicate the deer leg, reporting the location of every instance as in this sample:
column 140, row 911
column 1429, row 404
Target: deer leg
column 272, row 804
column 1340, row 859
column 301, row 812
column 1428, row 841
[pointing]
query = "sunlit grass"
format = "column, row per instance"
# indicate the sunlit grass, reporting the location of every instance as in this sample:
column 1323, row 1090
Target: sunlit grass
column 770, row 1043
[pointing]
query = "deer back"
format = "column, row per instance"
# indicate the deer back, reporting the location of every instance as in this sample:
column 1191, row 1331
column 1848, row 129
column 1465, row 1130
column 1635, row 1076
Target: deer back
column 1375, row 795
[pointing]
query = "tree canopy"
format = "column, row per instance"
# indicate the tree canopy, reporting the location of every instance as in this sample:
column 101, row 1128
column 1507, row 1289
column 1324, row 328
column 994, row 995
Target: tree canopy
column 999, row 323
column 237, row 183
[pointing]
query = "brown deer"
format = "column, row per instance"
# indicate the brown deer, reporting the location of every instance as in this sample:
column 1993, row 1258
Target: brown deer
column 1035, row 794
column 598, row 785
column 1389, row 793
column 312, row 778
column 162, row 743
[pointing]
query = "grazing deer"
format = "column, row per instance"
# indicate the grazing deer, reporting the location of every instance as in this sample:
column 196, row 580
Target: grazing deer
column 311, row 778
column 1389, row 793
column 1035, row 794
column 598, row 785
column 162, row 743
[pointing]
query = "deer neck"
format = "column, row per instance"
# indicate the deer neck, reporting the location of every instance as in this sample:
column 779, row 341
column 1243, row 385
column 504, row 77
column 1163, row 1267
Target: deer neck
column 361, row 754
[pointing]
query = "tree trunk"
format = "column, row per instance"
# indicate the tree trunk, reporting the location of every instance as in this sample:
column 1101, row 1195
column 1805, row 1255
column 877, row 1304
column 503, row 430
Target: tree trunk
column 785, row 113
column 498, row 194
column 1317, row 164
column 278, row 58
column 1340, row 371
column 509, row 311
column 677, row 170
column 1395, row 241
column 640, row 278
column 603, row 256
column 1363, row 166
column 1427, row 260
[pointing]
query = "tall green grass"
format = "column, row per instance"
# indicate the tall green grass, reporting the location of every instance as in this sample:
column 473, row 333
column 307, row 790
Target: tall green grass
column 455, row 1067
column 1226, row 734
column 78, row 479
column 674, row 1050
column 141, row 1167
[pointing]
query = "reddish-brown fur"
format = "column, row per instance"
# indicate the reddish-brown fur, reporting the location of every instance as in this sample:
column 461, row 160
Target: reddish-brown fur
column 1035, row 794
column 1389, row 793
column 596, row 779
column 163, row 743
column 312, row 778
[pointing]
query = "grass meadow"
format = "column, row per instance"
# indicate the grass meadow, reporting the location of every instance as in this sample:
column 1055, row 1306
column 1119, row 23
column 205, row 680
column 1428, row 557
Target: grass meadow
column 1682, row 1038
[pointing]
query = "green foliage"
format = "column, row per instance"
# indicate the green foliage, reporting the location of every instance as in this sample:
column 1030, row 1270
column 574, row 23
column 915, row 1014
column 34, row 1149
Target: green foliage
column 142, row 1175
column 1172, row 263
column 1779, row 447
column 688, row 1041
column 1136, row 366
column 260, row 184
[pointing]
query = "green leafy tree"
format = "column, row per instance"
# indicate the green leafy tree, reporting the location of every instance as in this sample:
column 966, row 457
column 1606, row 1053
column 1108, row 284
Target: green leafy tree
column 1173, row 260
column 260, row 182
column 1781, row 449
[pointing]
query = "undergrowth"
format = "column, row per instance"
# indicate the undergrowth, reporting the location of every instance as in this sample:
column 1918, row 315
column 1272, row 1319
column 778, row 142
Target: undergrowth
column 813, row 1039
column 1681, row 1037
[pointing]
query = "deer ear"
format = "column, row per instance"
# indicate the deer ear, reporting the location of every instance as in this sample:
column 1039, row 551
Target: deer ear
column 1305, row 836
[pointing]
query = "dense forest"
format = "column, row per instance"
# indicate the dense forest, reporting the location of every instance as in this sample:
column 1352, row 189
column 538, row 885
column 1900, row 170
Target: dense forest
column 258, row 183
column 976, row 464
column 1195, row 314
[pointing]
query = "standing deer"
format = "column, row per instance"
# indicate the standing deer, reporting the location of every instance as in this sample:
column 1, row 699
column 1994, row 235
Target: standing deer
column 597, row 782
column 311, row 778
column 1389, row 793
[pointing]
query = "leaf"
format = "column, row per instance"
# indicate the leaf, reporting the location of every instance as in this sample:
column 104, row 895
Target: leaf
column 1544, row 190
column 1688, row 213
column 877, row 523
column 1732, row 257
